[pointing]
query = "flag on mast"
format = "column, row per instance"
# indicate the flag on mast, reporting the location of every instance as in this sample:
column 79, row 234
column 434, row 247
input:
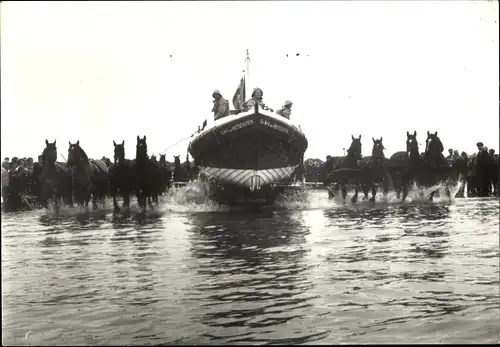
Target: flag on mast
column 239, row 95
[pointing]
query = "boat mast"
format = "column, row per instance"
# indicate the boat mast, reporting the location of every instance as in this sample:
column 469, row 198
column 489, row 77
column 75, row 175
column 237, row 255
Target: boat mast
column 247, row 74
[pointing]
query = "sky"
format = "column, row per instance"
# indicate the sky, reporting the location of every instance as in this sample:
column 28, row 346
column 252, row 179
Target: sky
column 101, row 71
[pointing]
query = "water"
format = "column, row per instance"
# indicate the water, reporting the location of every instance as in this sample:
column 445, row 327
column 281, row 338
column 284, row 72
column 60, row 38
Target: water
column 306, row 271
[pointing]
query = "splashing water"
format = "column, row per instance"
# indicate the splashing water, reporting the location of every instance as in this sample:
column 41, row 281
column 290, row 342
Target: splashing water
column 192, row 198
column 416, row 195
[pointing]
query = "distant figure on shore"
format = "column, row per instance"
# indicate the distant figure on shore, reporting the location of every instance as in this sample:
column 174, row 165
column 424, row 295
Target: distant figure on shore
column 286, row 110
column 221, row 106
column 450, row 155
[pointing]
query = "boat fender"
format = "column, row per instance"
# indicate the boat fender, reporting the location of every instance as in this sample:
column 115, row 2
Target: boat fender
column 255, row 183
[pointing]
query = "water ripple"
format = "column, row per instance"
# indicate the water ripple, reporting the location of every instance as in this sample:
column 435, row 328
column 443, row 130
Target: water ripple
column 389, row 273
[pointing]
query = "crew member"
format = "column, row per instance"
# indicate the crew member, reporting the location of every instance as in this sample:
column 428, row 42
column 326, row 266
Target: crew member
column 221, row 106
column 286, row 110
column 256, row 99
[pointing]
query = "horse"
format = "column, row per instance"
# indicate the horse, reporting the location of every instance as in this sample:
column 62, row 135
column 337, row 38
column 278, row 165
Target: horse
column 192, row 170
column 90, row 177
column 429, row 168
column 121, row 176
column 147, row 180
column 181, row 172
column 400, row 164
column 166, row 174
column 54, row 180
column 374, row 170
column 346, row 170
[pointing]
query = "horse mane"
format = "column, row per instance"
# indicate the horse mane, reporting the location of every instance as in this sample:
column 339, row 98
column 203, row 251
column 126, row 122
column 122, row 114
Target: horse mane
column 382, row 154
column 82, row 153
column 45, row 153
column 138, row 146
column 122, row 150
column 350, row 151
column 436, row 146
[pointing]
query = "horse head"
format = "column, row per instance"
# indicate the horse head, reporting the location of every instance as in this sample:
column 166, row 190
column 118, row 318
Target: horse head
column 433, row 145
column 119, row 151
column 49, row 154
column 141, row 148
column 76, row 154
column 412, row 145
column 177, row 161
column 355, row 148
column 378, row 149
column 163, row 159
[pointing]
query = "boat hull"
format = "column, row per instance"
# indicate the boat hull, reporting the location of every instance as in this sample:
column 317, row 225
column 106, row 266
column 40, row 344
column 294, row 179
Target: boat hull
column 250, row 150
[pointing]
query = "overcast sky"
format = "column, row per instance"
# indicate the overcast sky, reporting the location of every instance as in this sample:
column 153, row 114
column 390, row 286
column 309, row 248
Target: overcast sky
column 101, row 71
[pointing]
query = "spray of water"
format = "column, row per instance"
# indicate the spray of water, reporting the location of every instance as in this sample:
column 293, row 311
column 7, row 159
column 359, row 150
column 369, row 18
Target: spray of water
column 192, row 198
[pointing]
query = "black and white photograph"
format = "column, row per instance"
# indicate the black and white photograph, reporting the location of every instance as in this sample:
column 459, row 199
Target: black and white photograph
column 250, row 172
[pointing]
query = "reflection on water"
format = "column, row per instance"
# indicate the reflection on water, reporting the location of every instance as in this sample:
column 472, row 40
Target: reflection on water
column 389, row 273
column 252, row 276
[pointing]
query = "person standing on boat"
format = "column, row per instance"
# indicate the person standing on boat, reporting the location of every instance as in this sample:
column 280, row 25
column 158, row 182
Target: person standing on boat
column 286, row 110
column 221, row 106
column 256, row 99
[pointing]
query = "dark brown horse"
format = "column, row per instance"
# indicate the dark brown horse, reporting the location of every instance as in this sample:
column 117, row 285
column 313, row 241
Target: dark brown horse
column 147, row 179
column 166, row 174
column 181, row 172
column 401, row 163
column 90, row 177
column 346, row 170
column 427, row 169
column 54, row 179
column 374, row 170
column 121, row 176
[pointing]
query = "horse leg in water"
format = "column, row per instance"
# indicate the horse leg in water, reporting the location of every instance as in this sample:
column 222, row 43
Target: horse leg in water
column 126, row 199
column 331, row 195
column 139, row 194
column 374, row 192
column 113, row 190
column 366, row 191
column 356, row 192
column 344, row 190
column 94, row 201
column 431, row 196
column 56, row 200
column 150, row 199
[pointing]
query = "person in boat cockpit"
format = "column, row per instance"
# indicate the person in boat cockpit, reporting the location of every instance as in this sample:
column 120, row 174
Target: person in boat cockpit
column 221, row 106
column 256, row 99
column 286, row 110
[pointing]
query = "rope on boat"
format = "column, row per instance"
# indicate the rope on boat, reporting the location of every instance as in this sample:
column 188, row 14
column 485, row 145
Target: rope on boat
column 179, row 141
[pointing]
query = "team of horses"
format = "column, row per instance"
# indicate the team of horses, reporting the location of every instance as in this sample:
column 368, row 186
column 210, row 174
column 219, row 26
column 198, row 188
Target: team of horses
column 81, row 180
column 406, row 168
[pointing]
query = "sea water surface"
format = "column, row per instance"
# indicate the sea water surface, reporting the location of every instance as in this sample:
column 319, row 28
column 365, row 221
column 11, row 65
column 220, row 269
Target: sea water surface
column 308, row 271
